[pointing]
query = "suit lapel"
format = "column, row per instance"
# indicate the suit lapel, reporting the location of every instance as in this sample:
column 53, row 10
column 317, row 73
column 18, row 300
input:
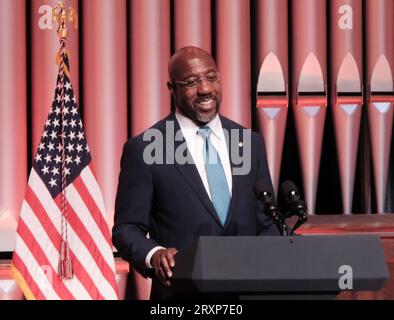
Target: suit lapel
column 235, row 178
column 189, row 171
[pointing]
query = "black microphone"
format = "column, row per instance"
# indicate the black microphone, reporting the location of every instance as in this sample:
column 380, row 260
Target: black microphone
column 294, row 203
column 270, row 209
column 292, row 197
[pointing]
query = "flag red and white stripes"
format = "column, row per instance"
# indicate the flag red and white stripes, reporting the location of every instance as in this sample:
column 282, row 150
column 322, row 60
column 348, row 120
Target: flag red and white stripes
column 63, row 205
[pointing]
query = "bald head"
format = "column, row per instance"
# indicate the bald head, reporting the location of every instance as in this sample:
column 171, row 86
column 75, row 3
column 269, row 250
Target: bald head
column 194, row 84
column 184, row 59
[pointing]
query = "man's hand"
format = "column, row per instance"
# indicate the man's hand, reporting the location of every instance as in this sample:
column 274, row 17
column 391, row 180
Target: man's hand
column 163, row 261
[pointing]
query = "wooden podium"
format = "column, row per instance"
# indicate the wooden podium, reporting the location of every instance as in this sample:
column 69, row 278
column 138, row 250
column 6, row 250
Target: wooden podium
column 372, row 224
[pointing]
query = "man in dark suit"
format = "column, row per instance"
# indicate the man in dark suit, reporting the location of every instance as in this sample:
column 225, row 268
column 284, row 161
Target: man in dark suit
column 191, row 174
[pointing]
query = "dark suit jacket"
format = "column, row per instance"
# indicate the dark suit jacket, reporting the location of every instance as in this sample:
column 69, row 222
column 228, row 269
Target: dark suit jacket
column 169, row 202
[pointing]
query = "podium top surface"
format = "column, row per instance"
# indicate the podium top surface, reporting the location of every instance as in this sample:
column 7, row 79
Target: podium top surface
column 291, row 264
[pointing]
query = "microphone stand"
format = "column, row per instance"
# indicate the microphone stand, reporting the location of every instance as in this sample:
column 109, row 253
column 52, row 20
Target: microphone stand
column 299, row 210
column 278, row 219
column 286, row 230
column 301, row 220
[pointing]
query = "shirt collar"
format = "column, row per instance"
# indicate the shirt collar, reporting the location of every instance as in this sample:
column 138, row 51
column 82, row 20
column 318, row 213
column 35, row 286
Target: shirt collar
column 189, row 128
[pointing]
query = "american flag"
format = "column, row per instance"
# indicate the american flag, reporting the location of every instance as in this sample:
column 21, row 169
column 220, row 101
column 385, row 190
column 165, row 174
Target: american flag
column 63, row 209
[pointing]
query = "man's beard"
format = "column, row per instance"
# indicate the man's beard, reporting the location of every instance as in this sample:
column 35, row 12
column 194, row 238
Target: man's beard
column 202, row 117
column 193, row 113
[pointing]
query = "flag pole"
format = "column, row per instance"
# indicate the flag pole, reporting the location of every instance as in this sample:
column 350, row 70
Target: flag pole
column 65, row 268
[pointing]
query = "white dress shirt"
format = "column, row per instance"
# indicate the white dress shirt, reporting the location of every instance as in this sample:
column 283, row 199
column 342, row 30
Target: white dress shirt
column 195, row 144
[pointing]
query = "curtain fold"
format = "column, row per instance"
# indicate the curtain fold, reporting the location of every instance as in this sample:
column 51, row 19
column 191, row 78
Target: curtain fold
column 13, row 116
column 105, row 90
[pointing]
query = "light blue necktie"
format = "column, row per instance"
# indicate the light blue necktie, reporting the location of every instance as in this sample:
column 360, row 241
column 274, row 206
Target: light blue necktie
column 218, row 186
